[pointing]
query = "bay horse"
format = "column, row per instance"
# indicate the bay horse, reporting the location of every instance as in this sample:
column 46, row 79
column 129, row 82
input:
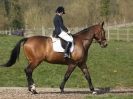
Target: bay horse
column 39, row 48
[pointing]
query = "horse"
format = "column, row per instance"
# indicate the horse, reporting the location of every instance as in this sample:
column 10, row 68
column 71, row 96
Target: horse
column 40, row 48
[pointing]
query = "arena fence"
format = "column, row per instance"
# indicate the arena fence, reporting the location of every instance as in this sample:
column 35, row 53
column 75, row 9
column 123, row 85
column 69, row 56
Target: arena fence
column 119, row 34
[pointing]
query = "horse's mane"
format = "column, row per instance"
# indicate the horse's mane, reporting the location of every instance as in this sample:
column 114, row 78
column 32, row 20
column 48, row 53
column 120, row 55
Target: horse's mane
column 84, row 30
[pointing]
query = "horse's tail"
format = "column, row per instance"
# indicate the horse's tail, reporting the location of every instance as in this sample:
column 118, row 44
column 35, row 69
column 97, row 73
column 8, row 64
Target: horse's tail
column 14, row 54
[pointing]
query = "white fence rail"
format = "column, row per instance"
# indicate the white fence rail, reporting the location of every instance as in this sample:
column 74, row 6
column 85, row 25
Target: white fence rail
column 119, row 34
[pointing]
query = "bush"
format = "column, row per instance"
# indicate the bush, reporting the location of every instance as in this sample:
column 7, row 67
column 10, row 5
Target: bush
column 17, row 24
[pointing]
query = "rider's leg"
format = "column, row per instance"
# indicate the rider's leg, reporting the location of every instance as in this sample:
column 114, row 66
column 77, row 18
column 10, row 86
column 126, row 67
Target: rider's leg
column 67, row 49
column 69, row 40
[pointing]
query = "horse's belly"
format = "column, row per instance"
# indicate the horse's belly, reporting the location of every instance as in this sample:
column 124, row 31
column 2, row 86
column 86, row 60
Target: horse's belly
column 56, row 58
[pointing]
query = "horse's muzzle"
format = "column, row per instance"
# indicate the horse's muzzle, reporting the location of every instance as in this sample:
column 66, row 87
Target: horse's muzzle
column 103, row 44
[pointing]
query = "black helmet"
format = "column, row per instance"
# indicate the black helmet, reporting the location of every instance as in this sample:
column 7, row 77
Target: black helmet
column 60, row 9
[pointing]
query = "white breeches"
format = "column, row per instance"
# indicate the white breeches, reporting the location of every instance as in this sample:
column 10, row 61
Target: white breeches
column 65, row 36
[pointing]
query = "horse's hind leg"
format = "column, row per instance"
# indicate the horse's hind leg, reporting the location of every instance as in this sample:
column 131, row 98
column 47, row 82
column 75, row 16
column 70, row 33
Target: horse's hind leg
column 85, row 71
column 28, row 72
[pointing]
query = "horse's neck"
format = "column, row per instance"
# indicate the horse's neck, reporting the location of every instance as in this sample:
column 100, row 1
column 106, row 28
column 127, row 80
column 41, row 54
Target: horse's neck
column 86, row 36
column 88, row 41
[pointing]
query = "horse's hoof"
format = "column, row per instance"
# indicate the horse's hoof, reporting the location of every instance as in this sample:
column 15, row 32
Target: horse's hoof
column 62, row 91
column 34, row 92
column 94, row 92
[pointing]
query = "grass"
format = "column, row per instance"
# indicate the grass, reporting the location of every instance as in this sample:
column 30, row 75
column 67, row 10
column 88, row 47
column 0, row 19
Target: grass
column 109, row 67
column 112, row 66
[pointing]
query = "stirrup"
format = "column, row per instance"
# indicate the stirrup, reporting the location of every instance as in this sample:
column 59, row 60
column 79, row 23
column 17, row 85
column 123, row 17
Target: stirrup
column 66, row 55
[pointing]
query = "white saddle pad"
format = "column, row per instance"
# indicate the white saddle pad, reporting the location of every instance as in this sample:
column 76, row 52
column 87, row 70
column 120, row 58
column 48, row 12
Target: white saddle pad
column 57, row 45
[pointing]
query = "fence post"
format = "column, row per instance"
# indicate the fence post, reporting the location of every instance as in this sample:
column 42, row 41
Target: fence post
column 43, row 31
column 128, row 35
column 118, row 35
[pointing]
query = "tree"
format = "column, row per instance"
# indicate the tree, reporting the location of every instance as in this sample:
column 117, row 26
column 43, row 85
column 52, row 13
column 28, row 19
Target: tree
column 17, row 20
column 7, row 7
column 105, row 12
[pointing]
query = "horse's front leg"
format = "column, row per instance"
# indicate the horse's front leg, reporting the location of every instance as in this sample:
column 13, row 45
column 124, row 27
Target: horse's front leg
column 86, row 73
column 70, row 69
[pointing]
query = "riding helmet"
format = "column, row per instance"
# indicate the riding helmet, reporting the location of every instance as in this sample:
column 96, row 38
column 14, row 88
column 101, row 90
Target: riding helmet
column 60, row 9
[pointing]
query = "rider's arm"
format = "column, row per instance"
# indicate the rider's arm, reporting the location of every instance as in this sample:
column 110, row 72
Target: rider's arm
column 62, row 25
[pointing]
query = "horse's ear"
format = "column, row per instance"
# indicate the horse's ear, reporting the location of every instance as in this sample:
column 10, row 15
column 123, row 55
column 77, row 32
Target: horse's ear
column 102, row 24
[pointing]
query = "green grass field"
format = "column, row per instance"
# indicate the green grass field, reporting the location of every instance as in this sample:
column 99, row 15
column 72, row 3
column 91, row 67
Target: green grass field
column 109, row 67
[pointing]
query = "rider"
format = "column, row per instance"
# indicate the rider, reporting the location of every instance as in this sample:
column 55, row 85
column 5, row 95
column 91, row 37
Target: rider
column 61, row 31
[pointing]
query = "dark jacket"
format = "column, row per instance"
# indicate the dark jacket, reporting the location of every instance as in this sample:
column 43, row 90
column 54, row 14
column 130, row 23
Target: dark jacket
column 58, row 23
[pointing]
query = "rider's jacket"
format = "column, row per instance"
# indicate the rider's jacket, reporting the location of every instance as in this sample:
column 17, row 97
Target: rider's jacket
column 59, row 26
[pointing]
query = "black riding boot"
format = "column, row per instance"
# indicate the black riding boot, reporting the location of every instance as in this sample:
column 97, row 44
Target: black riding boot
column 67, row 49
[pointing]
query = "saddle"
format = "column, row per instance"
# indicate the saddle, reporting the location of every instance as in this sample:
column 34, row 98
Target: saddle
column 59, row 45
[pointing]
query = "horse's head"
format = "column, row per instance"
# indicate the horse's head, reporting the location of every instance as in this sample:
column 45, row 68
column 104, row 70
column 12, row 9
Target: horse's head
column 100, row 35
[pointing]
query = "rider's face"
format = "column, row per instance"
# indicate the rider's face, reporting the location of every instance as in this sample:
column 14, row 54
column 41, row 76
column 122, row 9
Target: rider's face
column 61, row 13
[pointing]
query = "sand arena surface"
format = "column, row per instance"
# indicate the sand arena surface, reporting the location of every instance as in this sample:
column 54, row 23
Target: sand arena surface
column 54, row 93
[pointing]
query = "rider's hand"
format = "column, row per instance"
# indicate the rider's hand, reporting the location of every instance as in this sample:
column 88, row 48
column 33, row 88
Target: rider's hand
column 69, row 32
